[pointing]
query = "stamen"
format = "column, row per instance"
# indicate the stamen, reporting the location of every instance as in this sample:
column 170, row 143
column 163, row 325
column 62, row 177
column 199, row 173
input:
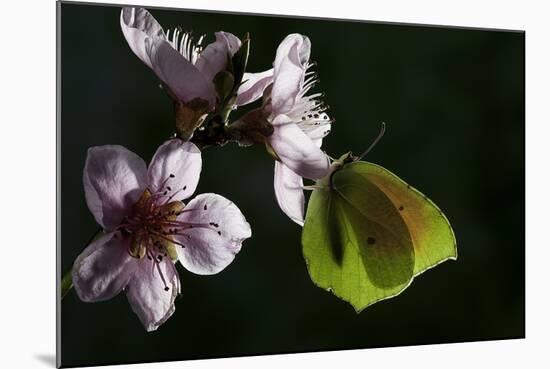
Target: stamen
column 176, row 37
column 189, row 47
column 318, row 94
column 174, row 194
column 163, row 183
column 183, row 39
column 168, row 239
column 184, row 211
column 127, row 227
column 157, row 264
column 183, row 225
column 198, row 49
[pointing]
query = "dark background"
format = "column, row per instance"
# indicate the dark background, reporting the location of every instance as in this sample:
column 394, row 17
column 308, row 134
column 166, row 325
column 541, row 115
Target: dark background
column 453, row 101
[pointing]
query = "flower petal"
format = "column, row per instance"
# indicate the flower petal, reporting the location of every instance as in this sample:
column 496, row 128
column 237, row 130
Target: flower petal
column 147, row 295
column 317, row 134
column 182, row 77
column 175, row 168
column 213, row 58
column 253, row 86
column 137, row 24
column 114, row 179
column 211, row 246
column 289, row 192
column 297, row 151
column 103, row 269
column 289, row 69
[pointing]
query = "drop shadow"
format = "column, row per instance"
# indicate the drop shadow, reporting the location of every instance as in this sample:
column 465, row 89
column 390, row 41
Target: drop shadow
column 48, row 359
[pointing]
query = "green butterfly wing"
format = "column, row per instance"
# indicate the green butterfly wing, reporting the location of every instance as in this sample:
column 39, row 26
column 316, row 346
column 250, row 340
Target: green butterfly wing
column 369, row 234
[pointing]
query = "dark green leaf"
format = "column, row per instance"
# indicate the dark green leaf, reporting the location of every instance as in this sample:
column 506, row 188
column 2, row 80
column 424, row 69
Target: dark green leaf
column 240, row 60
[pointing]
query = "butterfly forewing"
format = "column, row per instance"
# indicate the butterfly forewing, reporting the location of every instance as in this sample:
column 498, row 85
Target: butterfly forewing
column 432, row 235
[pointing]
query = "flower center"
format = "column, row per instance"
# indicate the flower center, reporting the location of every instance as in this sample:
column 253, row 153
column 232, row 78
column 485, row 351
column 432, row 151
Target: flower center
column 154, row 230
column 152, row 225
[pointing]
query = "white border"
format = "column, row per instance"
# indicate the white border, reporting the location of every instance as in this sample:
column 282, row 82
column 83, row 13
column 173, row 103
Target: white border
column 28, row 181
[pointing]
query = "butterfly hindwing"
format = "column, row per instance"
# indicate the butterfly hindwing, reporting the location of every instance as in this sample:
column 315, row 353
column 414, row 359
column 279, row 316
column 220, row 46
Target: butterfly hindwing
column 357, row 240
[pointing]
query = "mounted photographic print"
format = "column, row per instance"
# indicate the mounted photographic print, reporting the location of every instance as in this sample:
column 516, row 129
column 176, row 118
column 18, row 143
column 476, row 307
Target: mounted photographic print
column 242, row 184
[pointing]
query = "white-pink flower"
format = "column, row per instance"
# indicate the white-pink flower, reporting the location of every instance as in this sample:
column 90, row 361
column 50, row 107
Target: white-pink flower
column 147, row 228
column 300, row 124
column 181, row 63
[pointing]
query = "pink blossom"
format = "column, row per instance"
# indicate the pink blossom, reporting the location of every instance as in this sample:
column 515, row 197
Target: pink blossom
column 299, row 121
column 181, row 63
column 148, row 227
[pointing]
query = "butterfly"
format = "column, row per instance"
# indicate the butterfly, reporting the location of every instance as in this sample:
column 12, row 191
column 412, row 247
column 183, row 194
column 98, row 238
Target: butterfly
column 367, row 233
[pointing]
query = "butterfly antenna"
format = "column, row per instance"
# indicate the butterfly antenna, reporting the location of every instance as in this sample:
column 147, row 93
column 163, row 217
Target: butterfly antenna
column 380, row 134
